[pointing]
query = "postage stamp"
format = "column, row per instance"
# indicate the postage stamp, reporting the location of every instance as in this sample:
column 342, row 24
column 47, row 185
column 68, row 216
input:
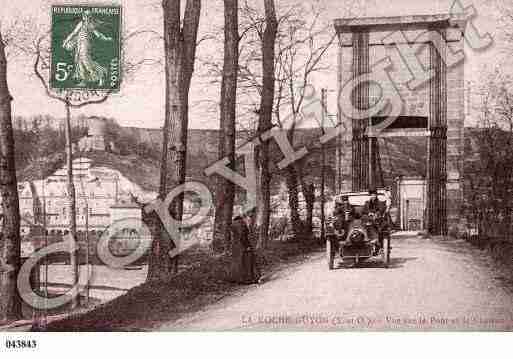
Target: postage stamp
column 86, row 47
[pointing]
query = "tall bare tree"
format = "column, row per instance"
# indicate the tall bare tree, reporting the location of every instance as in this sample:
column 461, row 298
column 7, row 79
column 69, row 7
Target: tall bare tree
column 225, row 191
column 303, row 40
column 180, row 42
column 265, row 119
column 10, row 243
column 300, row 43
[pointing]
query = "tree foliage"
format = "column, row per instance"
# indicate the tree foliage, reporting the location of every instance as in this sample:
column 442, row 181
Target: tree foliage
column 489, row 172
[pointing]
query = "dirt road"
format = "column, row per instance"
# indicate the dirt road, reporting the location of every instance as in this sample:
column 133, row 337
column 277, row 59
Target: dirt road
column 430, row 285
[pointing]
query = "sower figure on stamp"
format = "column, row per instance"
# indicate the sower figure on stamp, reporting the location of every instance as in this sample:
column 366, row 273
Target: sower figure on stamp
column 86, row 69
column 243, row 268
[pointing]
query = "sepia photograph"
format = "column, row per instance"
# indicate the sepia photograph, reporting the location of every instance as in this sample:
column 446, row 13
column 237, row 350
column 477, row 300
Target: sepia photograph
column 341, row 166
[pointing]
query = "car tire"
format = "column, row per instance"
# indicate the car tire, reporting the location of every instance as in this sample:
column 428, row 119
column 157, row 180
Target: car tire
column 330, row 254
column 386, row 251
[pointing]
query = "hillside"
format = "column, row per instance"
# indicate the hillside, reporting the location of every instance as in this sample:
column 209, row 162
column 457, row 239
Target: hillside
column 138, row 153
column 399, row 156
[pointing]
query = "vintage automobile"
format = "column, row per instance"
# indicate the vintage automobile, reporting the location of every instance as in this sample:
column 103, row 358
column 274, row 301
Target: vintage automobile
column 355, row 236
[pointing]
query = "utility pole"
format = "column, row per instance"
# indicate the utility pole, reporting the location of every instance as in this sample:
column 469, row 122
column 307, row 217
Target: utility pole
column 370, row 142
column 87, row 247
column 43, row 323
column 86, row 200
column 66, row 98
column 116, row 192
column 71, row 204
column 323, row 163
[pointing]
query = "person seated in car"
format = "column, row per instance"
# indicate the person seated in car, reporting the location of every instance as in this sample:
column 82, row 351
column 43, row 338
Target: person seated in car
column 343, row 207
column 374, row 206
column 343, row 212
column 374, row 209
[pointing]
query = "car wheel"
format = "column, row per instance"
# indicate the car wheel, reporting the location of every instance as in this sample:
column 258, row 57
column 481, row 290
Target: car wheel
column 330, row 254
column 386, row 251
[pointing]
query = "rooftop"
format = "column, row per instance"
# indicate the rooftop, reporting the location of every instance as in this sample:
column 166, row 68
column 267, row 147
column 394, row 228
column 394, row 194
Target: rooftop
column 409, row 21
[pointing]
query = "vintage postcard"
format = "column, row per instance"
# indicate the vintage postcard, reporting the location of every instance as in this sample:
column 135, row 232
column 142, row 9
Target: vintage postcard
column 255, row 166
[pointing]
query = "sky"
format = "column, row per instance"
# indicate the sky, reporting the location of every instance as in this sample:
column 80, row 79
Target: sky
column 140, row 102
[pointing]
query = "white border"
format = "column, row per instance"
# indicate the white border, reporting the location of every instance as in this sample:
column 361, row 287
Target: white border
column 262, row 345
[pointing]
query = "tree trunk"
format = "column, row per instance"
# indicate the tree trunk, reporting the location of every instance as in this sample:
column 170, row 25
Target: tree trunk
column 71, row 204
column 159, row 262
column 292, row 187
column 308, row 190
column 265, row 120
column 10, row 243
column 180, row 53
column 323, row 166
column 225, row 191
column 291, row 177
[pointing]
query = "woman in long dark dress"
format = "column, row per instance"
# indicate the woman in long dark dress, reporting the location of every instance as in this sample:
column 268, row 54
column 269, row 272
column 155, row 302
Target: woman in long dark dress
column 244, row 269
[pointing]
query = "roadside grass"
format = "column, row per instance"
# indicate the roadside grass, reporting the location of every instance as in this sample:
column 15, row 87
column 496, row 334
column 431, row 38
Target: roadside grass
column 501, row 251
column 498, row 253
column 205, row 282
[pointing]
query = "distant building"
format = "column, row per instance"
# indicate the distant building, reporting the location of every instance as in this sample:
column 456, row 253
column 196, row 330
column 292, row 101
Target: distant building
column 411, row 193
column 96, row 139
column 103, row 196
column 125, row 210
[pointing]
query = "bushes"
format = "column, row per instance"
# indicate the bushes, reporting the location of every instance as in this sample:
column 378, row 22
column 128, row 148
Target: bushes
column 277, row 227
column 501, row 251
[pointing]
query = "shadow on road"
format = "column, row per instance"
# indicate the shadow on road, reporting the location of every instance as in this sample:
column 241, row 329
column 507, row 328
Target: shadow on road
column 93, row 286
column 397, row 262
